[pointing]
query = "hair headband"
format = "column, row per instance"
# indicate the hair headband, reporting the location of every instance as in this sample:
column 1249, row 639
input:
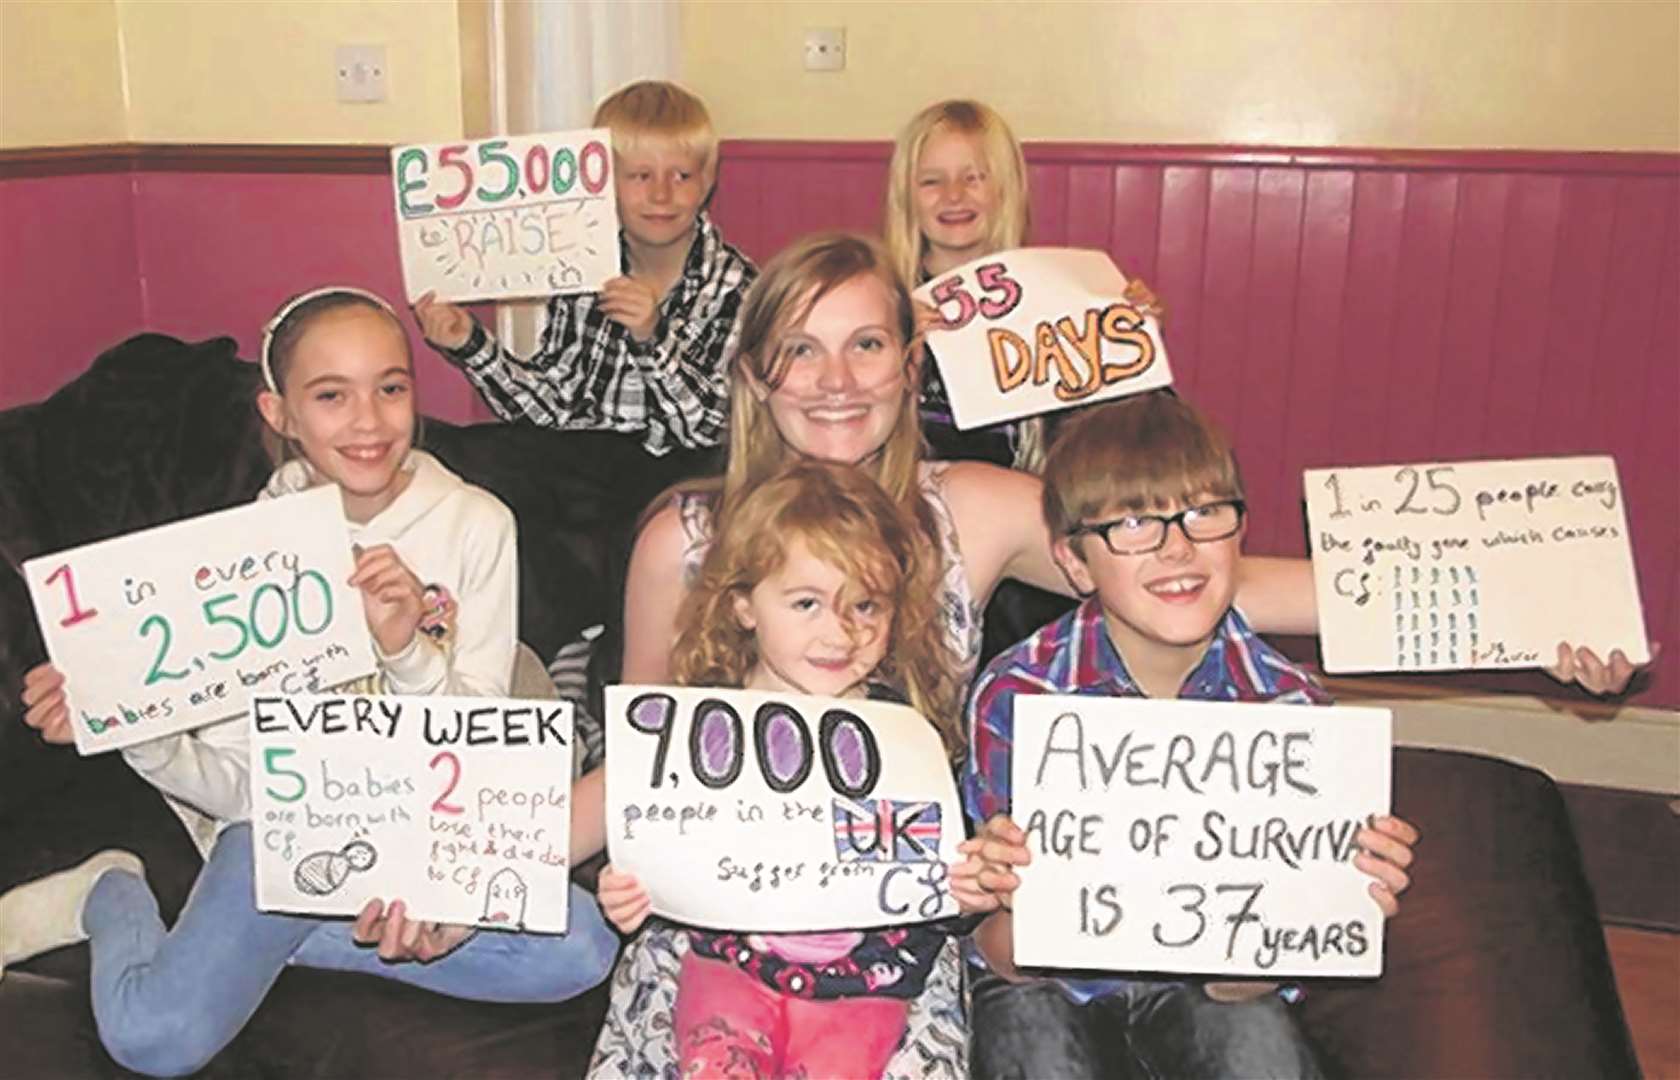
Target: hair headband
column 273, row 325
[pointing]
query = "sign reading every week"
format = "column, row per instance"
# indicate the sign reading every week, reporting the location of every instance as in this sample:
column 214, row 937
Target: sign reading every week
column 1032, row 330
column 459, row 807
column 508, row 217
column 746, row 810
column 173, row 628
column 1197, row 837
column 1474, row 564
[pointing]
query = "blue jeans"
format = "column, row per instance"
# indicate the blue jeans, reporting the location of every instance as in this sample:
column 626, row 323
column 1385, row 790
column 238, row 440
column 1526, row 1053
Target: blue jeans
column 1025, row 1031
column 167, row 1002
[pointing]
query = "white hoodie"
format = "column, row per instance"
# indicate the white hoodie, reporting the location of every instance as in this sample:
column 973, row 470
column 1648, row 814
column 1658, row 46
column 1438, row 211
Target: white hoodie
column 449, row 533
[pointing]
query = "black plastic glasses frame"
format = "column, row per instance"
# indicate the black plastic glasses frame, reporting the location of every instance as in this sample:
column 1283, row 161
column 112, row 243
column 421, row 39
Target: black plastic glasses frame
column 1167, row 521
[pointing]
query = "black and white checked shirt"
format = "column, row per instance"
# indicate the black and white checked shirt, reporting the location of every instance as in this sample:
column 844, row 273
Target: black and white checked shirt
column 590, row 374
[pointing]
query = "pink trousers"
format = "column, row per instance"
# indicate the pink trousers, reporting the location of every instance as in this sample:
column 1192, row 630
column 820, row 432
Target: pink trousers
column 728, row 1024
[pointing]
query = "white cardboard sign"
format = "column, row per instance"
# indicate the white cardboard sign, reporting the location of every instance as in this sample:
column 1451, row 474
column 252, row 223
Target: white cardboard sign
column 459, row 807
column 1197, row 837
column 1474, row 564
column 174, row 627
column 513, row 216
column 743, row 810
column 1038, row 329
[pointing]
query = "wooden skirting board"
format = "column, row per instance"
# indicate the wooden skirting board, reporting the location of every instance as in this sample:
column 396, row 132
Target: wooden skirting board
column 1586, row 742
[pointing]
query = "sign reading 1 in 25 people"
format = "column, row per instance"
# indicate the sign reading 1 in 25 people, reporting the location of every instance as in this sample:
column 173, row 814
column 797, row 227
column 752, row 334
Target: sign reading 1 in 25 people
column 1037, row 329
column 513, row 216
column 459, row 807
column 1197, row 837
column 743, row 810
column 174, row 627
column 1474, row 564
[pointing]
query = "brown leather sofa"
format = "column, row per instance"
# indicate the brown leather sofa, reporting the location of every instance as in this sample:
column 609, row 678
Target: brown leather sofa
column 1495, row 967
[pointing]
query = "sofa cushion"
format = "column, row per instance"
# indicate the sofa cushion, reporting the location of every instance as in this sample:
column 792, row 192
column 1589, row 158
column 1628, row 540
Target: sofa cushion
column 1496, row 964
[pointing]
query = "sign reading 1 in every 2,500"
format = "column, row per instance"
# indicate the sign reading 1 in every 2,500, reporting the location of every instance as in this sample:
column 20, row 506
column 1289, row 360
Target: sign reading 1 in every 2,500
column 1033, row 330
column 513, row 216
column 175, row 627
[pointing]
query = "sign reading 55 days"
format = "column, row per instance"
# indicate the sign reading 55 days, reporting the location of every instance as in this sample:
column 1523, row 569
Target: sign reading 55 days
column 513, row 216
column 174, row 627
column 1037, row 329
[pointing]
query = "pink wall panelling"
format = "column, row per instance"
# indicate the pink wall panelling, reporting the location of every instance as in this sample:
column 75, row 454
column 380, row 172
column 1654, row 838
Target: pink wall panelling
column 1352, row 308
column 92, row 258
column 1328, row 307
column 68, row 281
column 220, row 251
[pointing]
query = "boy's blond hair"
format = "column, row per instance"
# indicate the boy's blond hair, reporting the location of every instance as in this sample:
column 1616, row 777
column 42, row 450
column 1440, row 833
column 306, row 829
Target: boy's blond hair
column 844, row 519
column 1139, row 453
column 654, row 109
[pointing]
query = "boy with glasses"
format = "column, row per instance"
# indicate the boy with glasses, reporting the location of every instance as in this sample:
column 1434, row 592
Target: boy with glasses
column 1145, row 510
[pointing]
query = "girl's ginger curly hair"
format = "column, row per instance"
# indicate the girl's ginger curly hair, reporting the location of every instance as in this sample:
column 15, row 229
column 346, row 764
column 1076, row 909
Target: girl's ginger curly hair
column 845, row 519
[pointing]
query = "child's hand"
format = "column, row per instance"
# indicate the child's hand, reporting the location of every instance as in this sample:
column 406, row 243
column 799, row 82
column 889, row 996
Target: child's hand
column 623, row 900
column 1002, row 846
column 964, row 881
column 632, row 304
column 1594, row 675
column 444, row 324
column 401, row 938
column 1142, row 297
column 392, row 595
column 46, row 709
column 1386, row 852
column 927, row 317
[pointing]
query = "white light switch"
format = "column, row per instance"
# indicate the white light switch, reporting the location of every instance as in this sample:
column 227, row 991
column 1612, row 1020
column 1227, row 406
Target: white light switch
column 825, row 49
column 360, row 72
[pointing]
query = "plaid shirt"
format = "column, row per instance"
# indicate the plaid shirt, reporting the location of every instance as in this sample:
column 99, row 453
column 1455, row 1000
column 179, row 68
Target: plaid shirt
column 1074, row 655
column 589, row 374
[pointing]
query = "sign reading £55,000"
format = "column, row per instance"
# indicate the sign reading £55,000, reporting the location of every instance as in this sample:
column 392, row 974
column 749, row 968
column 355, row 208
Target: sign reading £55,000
column 513, row 216
column 175, row 627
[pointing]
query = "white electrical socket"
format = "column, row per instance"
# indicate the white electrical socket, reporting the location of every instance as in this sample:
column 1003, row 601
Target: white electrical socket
column 360, row 72
column 825, row 49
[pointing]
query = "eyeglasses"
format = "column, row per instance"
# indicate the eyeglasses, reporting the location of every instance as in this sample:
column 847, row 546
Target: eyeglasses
column 1140, row 534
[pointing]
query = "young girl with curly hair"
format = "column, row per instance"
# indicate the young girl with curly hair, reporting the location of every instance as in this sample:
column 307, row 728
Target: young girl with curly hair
column 818, row 583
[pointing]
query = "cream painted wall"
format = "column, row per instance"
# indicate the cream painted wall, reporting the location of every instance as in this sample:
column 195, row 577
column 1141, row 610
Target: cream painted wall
column 1470, row 73
column 261, row 71
column 60, row 73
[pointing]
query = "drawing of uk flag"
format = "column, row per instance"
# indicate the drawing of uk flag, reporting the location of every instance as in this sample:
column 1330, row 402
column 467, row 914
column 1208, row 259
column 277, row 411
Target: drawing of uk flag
column 886, row 830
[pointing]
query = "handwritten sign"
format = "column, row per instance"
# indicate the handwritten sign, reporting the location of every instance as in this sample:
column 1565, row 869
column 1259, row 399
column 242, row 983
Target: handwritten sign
column 172, row 628
column 742, row 810
column 1037, row 329
column 459, row 807
column 1197, row 837
column 1482, row 564
column 513, row 216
